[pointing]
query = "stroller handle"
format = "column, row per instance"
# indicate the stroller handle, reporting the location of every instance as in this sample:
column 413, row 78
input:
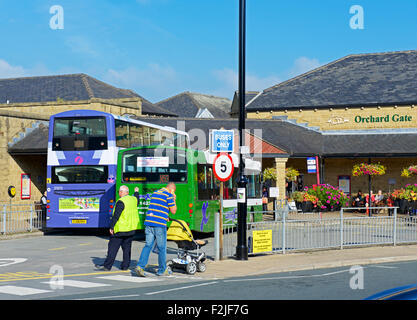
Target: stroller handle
column 180, row 223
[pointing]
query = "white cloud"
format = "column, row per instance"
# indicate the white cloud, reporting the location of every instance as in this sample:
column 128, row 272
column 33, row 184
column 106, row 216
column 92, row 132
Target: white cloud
column 9, row 71
column 302, row 65
column 153, row 81
column 82, row 45
column 228, row 78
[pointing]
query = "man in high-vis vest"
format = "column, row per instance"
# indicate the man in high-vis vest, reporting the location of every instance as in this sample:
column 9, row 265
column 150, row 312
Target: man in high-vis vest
column 124, row 222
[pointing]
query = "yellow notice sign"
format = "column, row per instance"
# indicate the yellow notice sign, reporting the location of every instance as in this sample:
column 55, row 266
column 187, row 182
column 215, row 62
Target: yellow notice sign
column 262, row 241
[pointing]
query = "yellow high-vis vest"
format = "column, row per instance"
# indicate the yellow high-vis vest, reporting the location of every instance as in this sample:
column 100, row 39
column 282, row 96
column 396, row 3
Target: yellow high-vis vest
column 129, row 219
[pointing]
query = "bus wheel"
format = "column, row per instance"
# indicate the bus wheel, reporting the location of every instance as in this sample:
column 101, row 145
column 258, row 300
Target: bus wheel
column 191, row 268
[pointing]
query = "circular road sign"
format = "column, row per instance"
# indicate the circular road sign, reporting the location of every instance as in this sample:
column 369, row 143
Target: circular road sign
column 223, row 167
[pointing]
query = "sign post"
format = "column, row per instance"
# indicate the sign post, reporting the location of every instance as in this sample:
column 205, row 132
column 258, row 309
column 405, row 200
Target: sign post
column 223, row 170
column 313, row 167
column 242, row 206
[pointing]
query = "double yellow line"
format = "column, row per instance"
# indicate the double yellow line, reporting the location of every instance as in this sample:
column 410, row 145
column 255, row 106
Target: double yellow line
column 31, row 275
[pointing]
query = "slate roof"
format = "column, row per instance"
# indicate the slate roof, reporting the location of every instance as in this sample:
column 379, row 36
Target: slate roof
column 355, row 80
column 291, row 139
column 68, row 87
column 34, row 142
column 151, row 109
column 188, row 104
column 249, row 95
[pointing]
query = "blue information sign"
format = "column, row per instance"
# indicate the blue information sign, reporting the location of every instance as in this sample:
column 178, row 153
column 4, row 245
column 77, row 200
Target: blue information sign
column 222, row 140
column 311, row 165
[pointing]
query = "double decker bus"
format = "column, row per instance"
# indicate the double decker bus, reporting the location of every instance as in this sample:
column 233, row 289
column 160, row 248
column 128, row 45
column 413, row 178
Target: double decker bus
column 82, row 163
column 198, row 191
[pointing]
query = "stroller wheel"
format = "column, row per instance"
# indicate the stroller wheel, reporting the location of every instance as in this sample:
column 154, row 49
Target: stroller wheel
column 201, row 267
column 191, row 268
column 170, row 265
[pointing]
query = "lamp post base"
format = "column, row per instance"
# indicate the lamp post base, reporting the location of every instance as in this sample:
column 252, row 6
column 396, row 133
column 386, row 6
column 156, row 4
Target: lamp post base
column 242, row 253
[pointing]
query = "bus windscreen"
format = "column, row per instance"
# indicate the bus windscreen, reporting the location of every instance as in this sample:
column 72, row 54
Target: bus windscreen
column 82, row 133
column 158, row 165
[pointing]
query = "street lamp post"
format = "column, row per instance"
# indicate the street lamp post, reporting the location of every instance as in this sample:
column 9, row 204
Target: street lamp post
column 242, row 248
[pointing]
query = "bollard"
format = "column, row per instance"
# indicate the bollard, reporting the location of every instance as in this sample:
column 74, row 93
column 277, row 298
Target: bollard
column 283, row 233
column 395, row 227
column 31, row 218
column 4, row 219
column 217, row 236
column 341, row 228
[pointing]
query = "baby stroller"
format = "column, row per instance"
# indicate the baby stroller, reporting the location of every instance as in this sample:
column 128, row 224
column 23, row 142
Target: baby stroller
column 186, row 260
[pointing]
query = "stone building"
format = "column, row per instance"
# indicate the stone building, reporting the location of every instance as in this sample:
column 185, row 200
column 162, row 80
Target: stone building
column 197, row 105
column 25, row 107
column 359, row 108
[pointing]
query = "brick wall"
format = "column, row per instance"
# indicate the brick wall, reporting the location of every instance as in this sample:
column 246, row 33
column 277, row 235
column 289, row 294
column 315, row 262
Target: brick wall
column 14, row 119
column 349, row 118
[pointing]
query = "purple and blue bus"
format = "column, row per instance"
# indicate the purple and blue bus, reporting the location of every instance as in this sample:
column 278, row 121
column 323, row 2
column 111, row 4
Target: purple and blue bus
column 82, row 163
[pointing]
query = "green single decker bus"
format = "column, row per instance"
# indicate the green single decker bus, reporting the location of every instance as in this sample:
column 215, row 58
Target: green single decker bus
column 198, row 191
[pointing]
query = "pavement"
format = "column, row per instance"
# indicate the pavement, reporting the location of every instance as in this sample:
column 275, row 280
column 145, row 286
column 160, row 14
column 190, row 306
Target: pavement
column 295, row 261
column 275, row 263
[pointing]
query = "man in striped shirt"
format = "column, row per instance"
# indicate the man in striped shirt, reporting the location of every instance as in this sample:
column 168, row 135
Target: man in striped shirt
column 161, row 204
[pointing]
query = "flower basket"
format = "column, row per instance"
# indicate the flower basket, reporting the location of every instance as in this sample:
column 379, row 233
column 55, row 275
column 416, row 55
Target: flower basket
column 370, row 169
column 408, row 172
column 291, row 174
column 269, row 174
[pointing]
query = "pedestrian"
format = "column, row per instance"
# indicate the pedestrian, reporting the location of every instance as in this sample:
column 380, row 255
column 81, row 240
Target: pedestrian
column 264, row 200
column 162, row 203
column 44, row 203
column 124, row 222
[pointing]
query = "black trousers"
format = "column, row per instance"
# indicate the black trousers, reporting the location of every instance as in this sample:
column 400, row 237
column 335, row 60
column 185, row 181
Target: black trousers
column 115, row 243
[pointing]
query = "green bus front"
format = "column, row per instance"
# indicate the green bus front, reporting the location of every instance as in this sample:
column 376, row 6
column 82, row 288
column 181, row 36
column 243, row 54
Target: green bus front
column 198, row 191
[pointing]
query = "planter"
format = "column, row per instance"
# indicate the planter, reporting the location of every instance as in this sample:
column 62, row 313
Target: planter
column 307, row 206
column 413, row 207
column 337, row 207
column 403, row 206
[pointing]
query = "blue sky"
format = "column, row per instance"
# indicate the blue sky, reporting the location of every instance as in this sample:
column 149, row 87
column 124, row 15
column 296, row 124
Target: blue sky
column 160, row 48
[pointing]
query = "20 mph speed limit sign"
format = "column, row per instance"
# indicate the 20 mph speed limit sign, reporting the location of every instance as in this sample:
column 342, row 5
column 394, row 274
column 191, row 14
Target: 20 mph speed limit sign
column 223, row 167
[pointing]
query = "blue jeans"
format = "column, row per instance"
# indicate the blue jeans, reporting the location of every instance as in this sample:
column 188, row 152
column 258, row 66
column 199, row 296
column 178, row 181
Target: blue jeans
column 152, row 234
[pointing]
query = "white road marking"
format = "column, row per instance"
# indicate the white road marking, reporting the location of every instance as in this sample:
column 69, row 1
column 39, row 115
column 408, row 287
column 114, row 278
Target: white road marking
column 81, row 284
column 21, row 291
column 182, row 288
column 288, row 277
column 385, row 267
column 9, row 261
column 110, row 297
column 129, row 278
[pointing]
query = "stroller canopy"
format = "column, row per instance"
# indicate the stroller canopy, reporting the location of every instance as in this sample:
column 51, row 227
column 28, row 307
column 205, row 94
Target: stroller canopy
column 179, row 230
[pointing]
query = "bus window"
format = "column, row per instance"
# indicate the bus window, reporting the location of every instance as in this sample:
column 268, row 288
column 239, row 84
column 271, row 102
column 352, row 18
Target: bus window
column 136, row 135
column 154, row 165
column 208, row 185
column 122, row 134
column 80, row 174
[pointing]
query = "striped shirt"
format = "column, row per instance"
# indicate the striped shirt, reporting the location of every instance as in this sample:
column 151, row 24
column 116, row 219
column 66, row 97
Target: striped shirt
column 158, row 210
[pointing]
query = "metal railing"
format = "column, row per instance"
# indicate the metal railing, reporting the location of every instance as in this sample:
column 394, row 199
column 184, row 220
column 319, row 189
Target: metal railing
column 16, row 218
column 312, row 231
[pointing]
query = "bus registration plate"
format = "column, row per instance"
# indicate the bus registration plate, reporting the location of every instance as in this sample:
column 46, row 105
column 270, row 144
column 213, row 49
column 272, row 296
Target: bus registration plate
column 79, row 221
